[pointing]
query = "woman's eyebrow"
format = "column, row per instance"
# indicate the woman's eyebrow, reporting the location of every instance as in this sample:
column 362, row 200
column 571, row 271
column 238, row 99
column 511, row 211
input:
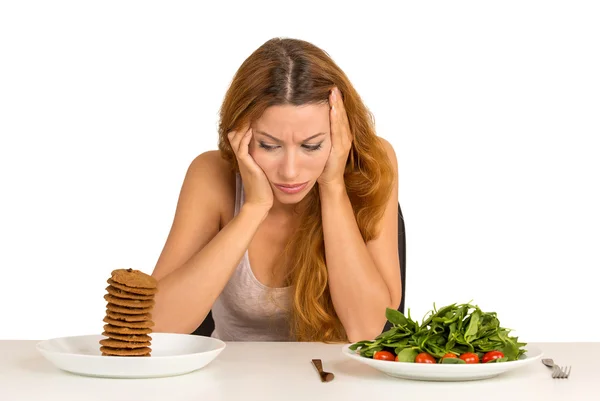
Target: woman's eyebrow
column 280, row 141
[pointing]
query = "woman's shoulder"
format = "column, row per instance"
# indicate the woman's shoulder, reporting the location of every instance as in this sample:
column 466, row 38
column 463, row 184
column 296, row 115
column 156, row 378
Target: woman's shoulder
column 210, row 171
column 211, row 162
column 389, row 149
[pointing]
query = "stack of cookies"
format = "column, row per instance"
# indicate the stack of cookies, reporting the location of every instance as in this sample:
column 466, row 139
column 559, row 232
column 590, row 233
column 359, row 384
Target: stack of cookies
column 130, row 297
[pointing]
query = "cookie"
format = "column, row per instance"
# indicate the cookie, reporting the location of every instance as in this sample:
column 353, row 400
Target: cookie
column 134, row 278
column 132, row 325
column 109, row 328
column 123, row 344
column 127, row 295
column 141, row 338
column 133, row 290
column 126, row 310
column 128, row 318
column 109, row 351
column 131, row 303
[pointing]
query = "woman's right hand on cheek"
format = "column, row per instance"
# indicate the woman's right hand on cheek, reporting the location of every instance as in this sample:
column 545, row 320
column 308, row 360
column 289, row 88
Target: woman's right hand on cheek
column 257, row 189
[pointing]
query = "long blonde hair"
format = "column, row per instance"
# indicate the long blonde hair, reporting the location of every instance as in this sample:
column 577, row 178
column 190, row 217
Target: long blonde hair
column 291, row 71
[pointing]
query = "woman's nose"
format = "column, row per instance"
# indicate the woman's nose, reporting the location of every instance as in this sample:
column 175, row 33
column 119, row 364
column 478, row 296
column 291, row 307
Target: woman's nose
column 289, row 169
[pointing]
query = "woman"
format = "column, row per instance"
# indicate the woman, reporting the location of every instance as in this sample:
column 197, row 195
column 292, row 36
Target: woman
column 289, row 231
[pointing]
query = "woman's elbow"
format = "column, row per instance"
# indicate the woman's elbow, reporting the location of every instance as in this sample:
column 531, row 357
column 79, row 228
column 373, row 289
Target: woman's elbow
column 366, row 331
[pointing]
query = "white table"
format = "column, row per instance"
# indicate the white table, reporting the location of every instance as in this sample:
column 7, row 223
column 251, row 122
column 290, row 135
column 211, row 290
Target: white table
column 282, row 371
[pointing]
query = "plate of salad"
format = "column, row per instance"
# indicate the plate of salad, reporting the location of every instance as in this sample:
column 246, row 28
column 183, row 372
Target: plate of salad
column 454, row 343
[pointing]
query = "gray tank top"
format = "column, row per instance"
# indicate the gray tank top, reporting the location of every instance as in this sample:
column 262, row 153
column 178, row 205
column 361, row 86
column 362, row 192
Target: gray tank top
column 248, row 310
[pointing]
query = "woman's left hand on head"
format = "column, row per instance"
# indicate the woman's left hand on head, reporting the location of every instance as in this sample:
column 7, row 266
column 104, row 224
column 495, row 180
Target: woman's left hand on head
column 341, row 141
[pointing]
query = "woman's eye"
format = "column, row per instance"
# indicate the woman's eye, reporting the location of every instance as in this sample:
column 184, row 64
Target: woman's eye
column 312, row 148
column 266, row 147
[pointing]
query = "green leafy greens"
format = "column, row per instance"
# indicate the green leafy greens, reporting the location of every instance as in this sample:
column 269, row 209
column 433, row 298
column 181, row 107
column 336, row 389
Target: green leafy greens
column 452, row 329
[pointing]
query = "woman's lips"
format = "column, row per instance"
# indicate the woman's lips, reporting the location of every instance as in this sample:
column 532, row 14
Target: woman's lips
column 291, row 188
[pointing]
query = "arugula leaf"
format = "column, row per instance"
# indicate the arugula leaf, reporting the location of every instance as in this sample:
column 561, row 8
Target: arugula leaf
column 407, row 355
column 395, row 317
column 369, row 351
column 358, row 344
column 454, row 361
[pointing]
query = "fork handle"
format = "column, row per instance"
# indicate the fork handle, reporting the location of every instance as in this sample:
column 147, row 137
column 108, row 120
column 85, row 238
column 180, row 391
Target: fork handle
column 548, row 362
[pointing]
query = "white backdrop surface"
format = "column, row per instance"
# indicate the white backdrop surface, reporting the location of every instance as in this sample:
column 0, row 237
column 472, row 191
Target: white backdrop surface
column 493, row 110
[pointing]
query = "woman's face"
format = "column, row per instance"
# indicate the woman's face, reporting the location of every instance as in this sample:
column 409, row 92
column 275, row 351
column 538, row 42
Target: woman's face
column 291, row 144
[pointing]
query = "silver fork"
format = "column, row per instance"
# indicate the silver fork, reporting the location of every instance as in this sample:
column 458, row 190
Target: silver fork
column 557, row 371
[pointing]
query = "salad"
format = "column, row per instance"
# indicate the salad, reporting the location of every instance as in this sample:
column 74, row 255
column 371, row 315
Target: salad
column 456, row 334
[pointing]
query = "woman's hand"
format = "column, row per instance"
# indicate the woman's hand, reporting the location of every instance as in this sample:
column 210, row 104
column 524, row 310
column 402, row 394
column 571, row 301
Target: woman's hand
column 341, row 141
column 257, row 189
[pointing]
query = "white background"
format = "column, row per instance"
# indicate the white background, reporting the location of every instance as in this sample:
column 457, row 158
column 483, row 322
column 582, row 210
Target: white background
column 493, row 110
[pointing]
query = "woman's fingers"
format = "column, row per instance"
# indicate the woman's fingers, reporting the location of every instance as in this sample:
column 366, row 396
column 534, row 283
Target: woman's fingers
column 244, row 143
column 334, row 120
column 235, row 138
column 231, row 135
column 240, row 141
column 340, row 128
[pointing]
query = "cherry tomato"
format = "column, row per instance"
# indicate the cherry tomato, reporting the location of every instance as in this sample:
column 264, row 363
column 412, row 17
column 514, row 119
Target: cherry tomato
column 490, row 356
column 424, row 357
column 469, row 357
column 383, row 356
column 397, row 360
column 449, row 355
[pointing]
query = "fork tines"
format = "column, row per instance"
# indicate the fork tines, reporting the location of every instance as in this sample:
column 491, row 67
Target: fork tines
column 561, row 373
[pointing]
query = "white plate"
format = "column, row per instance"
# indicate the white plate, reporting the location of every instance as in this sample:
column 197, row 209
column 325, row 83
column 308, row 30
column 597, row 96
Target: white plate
column 172, row 354
column 445, row 372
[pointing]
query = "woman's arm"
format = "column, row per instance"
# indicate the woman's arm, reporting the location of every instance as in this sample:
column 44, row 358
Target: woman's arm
column 198, row 259
column 364, row 279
